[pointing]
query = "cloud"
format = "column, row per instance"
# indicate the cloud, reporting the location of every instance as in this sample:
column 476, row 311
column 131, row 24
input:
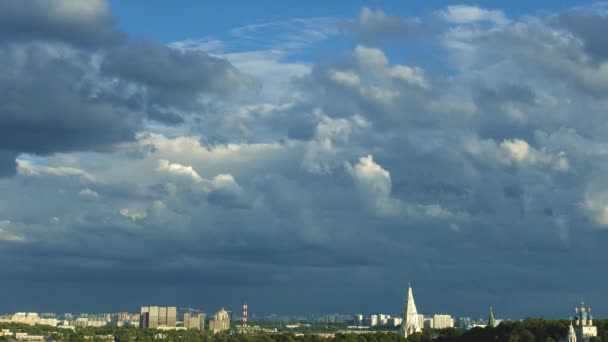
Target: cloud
column 6, row 233
column 376, row 24
column 103, row 86
column 463, row 14
column 222, row 189
column 586, row 25
column 178, row 170
column 88, row 194
column 84, row 22
column 40, row 119
column 280, row 164
column 169, row 70
column 27, row 168
column 374, row 183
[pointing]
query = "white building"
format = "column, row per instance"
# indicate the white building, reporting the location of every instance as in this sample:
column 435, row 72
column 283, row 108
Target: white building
column 583, row 324
column 411, row 319
column 396, row 321
column 373, row 320
column 220, row 322
column 383, row 319
column 48, row 321
column 442, row 321
column 22, row 336
column 30, row 318
column 421, row 320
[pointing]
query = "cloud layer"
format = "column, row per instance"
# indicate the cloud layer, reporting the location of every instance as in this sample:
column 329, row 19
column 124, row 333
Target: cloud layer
column 260, row 173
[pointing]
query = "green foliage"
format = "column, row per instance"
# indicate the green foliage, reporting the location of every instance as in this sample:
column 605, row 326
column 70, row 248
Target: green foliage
column 529, row 330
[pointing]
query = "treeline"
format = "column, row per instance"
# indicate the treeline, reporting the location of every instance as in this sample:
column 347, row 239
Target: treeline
column 529, row 330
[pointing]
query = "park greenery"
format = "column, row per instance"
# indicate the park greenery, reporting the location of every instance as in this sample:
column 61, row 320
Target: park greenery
column 528, row 330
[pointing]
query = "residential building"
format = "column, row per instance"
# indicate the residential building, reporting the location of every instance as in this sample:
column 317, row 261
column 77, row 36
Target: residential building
column 442, row 321
column 158, row 316
column 220, row 322
column 373, row 320
column 194, row 321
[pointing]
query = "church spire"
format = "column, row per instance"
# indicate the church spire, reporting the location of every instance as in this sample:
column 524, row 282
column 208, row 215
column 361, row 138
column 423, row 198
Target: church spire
column 571, row 333
column 409, row 324
column 491, row 321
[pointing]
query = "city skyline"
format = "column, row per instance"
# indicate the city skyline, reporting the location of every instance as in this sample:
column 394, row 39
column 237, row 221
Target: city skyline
column 308, row 157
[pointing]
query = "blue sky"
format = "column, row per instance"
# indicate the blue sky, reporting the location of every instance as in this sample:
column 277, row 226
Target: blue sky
column 333, row 150
column 167, row 22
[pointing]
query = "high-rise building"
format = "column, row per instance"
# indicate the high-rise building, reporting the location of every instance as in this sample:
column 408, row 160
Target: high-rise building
column 158, row 316
column 220, row 322
column 194, row 321
column 162, row 315
column 383, row 319
column 410, row 323
column 442, row 321
column 171, row 316
column 144, row 320
column 373, row 320
column 153, row 313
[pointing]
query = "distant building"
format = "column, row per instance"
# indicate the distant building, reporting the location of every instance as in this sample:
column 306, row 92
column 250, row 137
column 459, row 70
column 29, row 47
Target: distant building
column 373, row 320
column 30, row 318
column 583, row 324
column 22, row 336
column 420, row 320
column 157, row 316
column 396, row 321
column 465, row 322
column 410, row 323
column 144, row 320
column 571, row 334
column 194, row 321
column 220, row 322
column 359, row 319
column 162, row 315
column 442, row 321
column 171, row 316
column 383, row 319
column 491, row 320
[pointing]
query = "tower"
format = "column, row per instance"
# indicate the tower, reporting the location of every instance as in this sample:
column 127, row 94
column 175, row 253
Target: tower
column 409, row 324
column 244, row 314
column 571, row 333
column 491, row 321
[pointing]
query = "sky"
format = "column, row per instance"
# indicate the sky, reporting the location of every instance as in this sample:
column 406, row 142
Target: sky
column 308, row 157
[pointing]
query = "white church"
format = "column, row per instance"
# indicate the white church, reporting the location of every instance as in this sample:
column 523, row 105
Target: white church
column 410, row 323
column 583, row 328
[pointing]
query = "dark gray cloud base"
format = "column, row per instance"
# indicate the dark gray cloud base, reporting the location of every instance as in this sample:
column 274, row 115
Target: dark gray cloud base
column 73, row 81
